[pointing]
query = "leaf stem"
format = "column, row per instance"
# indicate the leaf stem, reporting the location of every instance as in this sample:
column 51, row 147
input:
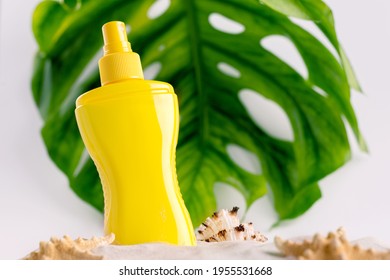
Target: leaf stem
column 196, row 53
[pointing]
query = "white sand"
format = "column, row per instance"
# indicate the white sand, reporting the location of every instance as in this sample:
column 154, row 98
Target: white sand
column 242, row 250
column 230, row 250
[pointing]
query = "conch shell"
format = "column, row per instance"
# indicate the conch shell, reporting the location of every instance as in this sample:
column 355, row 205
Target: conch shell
column 224, row 225
column 335, row 246
column 68, row 249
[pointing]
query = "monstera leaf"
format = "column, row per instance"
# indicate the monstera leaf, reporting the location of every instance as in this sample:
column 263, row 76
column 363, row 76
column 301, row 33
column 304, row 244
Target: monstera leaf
column 210, row 69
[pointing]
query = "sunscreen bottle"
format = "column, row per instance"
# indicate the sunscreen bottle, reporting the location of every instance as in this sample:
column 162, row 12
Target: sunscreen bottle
column 130, row 127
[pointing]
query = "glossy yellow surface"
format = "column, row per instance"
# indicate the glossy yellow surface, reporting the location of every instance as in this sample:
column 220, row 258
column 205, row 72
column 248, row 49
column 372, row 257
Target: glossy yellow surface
column 130, row 129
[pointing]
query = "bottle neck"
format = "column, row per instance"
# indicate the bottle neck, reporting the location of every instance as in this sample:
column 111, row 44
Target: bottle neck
column 119, row 61
column 120, row 66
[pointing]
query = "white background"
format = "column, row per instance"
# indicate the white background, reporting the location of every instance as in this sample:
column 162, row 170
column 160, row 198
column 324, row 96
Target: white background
column 36, row 202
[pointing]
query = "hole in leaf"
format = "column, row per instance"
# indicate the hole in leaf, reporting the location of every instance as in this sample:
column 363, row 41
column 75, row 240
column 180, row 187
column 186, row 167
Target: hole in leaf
column 128, row 28
column 354, row 143
column 89, row 70
column 83, row 160
column 267, row 114
column 225, row 24
column 244, row 158
column 227, row 197
column 228, row 70
column 158, row 8
column 313, row 29
column 263, row 205
column 152, row 70
column 161, row 48
column 283, row 48
column 72, row 4
column 320, row 91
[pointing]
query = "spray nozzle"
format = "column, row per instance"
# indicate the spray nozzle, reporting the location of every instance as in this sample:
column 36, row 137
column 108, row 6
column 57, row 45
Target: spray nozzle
column 119, row 61
column 115, row 37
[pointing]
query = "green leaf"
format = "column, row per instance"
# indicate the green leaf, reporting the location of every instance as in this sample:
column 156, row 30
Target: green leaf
column 191, row 50
column 318, row 12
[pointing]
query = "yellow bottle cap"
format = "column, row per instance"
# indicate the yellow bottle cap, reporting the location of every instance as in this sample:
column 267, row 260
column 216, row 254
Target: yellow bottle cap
column 119, row 61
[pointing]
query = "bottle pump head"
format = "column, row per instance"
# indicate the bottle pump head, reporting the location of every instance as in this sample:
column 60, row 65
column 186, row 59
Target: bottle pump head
column 119, row 62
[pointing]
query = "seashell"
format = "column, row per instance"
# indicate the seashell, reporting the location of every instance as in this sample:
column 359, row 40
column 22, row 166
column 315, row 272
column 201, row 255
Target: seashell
column 225, row 225
column 334, row 246
column 68, row 249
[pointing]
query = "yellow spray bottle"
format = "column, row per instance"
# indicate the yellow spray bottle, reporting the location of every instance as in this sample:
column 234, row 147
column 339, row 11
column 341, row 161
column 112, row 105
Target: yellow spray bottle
column 130, row 127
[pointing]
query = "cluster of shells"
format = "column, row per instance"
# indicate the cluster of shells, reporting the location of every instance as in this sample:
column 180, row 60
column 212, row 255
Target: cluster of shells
column 223, row 225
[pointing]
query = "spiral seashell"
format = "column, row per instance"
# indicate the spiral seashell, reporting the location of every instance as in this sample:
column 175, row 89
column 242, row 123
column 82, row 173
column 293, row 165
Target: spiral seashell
column 225, row 225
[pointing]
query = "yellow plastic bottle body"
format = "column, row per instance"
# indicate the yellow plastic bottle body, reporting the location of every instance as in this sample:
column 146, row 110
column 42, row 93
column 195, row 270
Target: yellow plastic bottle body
column 130, row 130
